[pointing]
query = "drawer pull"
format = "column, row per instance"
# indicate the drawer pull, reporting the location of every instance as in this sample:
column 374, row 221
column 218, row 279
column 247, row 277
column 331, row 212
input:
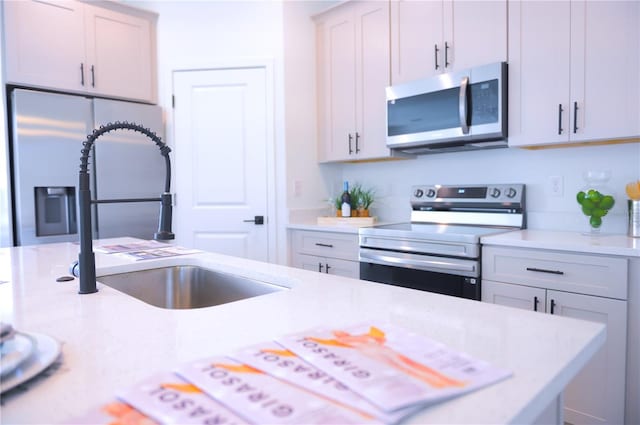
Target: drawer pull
column 553, row 306
column 326, row 245
column 533, row 269
column 535, row 303
column 320, row 267
column 326, row 268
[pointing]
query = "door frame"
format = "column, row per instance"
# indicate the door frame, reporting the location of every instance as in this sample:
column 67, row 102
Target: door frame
column 276, row 239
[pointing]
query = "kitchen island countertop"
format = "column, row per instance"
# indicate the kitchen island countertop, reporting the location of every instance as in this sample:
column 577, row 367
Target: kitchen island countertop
column 110, row 340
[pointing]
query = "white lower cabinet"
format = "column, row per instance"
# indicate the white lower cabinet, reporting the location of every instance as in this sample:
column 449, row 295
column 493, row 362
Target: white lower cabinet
column 597, row 393
column 325, row 252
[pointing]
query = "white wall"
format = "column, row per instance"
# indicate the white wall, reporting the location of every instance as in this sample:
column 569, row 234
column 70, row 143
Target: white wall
column 306, row 188
column 6, row 238
column 393, row 180
column 210, row 34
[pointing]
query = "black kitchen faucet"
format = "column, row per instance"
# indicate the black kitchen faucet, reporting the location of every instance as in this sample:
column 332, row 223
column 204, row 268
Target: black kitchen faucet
column 85, row 268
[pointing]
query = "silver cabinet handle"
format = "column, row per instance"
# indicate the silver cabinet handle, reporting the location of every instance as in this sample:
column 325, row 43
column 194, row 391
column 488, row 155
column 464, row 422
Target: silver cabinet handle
column 82, row 73
column 93, row 77
column 357, row 139
column 575, row 117
column 325, row 245
column 350, row 139
column 462, row 105
column 435, row 51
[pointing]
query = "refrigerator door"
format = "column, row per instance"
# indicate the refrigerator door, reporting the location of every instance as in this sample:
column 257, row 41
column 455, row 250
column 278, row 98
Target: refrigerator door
column 128, row 165
column 47, row 134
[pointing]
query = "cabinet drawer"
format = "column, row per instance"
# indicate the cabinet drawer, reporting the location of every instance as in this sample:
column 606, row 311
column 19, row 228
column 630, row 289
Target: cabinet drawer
column 579, row 273
column 325, row 244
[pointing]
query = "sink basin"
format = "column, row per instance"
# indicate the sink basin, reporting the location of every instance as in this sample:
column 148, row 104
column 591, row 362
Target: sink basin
column 186, row 287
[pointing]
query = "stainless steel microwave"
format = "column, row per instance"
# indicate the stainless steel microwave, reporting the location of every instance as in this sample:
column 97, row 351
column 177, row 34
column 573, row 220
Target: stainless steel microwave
column 461, row 110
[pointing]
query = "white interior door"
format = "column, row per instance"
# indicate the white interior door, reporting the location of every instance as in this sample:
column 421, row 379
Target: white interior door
column 221, row 145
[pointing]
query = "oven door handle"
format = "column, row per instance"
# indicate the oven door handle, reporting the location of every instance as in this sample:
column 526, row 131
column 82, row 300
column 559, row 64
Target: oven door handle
column 435, row 264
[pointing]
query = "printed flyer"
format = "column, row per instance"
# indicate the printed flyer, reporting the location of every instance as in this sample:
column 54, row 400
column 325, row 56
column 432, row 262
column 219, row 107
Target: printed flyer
column 391, row 367
column 264, row 399
column 114, row 412
column 284, row 364
column 171, row 400
column 133, row 246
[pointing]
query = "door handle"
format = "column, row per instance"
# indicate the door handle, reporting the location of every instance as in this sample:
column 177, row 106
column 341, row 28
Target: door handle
column 435, row 54
column 350, row 139
column 82, row 73
column 326, row 267
column 357, row 139
column 258, row 219
column 93, row 77
column 553, row 306
column 320, row 267
column 575, row 117
column 535, row 303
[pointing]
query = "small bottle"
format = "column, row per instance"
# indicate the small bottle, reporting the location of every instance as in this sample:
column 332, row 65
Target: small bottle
column 346, row 201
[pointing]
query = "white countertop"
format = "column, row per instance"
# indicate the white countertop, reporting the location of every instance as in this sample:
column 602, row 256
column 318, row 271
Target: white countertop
column 610, row 244
column 111, row 340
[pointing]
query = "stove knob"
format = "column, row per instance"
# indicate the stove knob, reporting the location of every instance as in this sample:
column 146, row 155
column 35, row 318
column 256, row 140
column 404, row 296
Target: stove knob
column 511, row 192
column 431, row 193
column 495, row 192
column 418, row 193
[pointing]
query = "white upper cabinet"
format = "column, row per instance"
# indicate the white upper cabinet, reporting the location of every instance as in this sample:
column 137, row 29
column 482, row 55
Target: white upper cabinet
column 432, row 37
column 79, row 47
column 573, row 71
column 45, row 44
column 120, row 54
column 353, row 72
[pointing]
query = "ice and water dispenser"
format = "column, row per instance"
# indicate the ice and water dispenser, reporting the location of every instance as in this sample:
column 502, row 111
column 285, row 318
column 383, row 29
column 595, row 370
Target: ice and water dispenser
column 55, row 209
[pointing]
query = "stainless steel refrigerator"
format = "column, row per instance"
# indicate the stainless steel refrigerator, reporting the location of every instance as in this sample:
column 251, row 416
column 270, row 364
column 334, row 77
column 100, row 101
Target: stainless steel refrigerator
column 47, row 131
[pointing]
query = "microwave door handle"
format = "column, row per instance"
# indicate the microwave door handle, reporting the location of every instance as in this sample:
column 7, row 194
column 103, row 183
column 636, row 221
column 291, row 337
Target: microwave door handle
column 462, row 105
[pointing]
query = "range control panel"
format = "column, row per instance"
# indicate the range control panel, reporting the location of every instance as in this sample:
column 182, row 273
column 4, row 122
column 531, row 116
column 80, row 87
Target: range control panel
column 467, row 194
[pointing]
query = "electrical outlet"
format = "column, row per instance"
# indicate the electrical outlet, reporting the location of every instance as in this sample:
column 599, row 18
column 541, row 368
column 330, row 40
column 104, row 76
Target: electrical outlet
column 556, row 185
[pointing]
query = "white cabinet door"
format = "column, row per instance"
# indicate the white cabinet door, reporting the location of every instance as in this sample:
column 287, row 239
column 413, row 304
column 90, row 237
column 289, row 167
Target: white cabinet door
column 416, row 40
column 431, row 37
column 539, row 80
column 475, row 33
column 597, row 393
column 44, row 43
column 605, row 39
column 120, row 54
column 573, row 71
column 78, row 47
column 522, row 297
column 331, row 266
column 372, row 65
column 353, row 72
column 339, row 70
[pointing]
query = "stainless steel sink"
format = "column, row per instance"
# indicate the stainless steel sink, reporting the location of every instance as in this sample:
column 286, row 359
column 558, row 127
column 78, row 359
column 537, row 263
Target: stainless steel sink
column 186, row 287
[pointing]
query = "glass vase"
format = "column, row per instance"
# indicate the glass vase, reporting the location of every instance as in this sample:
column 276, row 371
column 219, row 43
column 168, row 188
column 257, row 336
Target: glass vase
column 595, row 199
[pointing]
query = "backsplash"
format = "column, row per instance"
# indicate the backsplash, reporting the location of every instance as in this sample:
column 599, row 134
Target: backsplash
column 546, row 210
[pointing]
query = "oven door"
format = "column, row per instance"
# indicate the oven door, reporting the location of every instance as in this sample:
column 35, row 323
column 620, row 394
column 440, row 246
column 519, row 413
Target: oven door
column 443, row 275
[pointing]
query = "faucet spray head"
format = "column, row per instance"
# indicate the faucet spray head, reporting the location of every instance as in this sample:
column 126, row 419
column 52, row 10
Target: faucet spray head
column 164, row 232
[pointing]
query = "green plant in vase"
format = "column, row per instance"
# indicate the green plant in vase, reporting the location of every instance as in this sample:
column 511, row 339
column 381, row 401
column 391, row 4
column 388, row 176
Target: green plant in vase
column 595, row 200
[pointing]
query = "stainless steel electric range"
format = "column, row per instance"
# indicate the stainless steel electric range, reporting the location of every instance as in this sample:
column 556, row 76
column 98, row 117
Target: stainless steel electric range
column 439, row 250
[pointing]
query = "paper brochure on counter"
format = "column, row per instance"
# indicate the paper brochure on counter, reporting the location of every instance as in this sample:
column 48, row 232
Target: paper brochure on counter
column 358, row 374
